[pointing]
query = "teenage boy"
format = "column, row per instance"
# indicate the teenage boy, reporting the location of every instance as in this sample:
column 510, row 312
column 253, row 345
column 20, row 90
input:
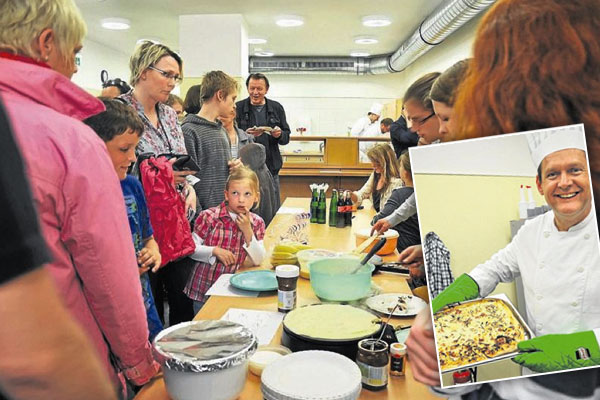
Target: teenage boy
column 206, row 140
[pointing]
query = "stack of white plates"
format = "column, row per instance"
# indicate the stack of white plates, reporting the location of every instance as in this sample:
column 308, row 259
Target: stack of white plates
column 311, row 375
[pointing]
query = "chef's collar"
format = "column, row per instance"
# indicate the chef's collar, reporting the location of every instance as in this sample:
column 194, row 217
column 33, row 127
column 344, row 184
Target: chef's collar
column 579, row 226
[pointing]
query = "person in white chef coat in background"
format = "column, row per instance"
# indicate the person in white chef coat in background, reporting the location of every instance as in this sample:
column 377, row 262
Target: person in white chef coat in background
column 379, row 131
column 558, row 257
column 368, row 123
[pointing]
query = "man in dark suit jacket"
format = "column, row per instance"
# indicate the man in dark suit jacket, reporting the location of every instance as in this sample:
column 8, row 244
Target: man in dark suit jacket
column 256, row 113
column 402, row 137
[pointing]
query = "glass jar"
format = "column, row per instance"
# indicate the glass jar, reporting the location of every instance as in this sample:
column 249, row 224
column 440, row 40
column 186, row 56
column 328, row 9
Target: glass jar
column 397, row 359
column 287, row 278
column 372, row 359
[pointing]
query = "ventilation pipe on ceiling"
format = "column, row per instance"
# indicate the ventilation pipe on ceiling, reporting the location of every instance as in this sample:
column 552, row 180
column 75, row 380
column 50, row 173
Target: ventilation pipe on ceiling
column 443, row 21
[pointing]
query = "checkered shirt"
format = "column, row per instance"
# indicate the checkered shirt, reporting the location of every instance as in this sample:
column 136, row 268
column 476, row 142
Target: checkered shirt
column 437, row 260
column 216, row 228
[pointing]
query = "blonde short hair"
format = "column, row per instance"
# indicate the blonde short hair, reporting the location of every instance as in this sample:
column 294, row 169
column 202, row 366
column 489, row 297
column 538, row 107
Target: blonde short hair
column 22, row 21
column 244, row 173
column 146, row 55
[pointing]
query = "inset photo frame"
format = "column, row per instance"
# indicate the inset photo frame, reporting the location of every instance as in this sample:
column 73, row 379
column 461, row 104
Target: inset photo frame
column 512, row 255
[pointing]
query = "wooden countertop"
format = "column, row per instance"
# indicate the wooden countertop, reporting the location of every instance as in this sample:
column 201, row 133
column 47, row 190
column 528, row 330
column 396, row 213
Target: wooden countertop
column 321, row 236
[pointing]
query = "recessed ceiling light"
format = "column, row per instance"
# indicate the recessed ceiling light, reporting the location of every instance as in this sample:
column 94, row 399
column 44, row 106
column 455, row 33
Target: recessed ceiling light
column 359, row 54
column 264, row 54
column 116, row 24
column 256, row 40
column 376, row 20
column 287, row 21
column 365, row 40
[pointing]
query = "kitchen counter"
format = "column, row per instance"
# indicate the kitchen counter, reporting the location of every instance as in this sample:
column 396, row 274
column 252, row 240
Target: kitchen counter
column 331, row 159
column 320, row 236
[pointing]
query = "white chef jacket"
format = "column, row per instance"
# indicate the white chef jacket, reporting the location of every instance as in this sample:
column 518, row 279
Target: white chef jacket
column 560, row 272
column 361, row 126
column 561, row 280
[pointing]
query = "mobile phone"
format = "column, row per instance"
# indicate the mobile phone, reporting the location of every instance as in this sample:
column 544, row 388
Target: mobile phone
column 185, row 163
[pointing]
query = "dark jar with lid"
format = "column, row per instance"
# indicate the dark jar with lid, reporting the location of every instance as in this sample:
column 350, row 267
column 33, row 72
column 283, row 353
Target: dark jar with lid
column 462, row 376
column 372, row 360
column 287, row 279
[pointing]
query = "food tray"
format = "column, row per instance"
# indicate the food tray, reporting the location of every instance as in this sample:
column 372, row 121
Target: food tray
column 528, row 333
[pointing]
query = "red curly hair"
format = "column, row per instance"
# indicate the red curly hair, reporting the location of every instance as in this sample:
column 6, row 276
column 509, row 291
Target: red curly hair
column 536, row 64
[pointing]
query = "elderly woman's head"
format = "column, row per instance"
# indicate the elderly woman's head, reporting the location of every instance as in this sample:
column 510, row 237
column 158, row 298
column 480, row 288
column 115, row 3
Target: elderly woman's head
column 49, row 31
column 156, row 70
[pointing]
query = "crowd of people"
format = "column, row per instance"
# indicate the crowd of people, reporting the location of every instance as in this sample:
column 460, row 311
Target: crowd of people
column 100, row 293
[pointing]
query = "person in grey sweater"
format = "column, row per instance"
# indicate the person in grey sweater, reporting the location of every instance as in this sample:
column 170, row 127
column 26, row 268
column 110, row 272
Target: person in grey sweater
column 206, row 140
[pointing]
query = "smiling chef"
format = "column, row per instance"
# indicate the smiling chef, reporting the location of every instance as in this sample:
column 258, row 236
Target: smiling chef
column 558, row 257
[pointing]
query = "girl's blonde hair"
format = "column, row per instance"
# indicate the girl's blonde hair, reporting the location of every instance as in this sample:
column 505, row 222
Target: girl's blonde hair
column 146, row 55
column 245, row 174
column 383, row 155
column 23, row 21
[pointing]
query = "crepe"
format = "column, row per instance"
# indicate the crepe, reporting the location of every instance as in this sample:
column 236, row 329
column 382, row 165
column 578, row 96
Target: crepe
column 331, row 321
column 476, row 331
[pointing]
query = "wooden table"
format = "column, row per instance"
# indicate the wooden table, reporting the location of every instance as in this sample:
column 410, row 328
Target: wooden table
column 320, row 236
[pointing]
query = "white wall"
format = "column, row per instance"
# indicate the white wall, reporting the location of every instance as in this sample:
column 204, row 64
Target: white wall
column 94, row 58
column 328, row 104
column 505, row 155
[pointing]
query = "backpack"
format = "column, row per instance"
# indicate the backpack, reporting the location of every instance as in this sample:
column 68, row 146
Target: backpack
column 167, row 210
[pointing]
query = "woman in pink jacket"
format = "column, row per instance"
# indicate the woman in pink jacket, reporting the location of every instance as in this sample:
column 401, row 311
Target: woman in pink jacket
column 75, row 187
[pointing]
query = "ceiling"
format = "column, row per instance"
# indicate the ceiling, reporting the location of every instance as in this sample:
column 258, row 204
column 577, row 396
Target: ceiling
column 328, row 30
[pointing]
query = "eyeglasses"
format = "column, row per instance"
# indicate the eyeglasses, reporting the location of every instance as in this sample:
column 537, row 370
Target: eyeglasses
column 167, row 75
column 419, row 122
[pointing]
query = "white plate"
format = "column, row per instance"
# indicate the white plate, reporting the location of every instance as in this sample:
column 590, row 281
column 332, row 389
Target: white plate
column 314, row 375
column 384, row 303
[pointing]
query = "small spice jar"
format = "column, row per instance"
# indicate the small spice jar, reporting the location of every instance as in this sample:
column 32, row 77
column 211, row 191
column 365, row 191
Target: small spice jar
column 397, row 359
column 372, row 360
column 287, row 279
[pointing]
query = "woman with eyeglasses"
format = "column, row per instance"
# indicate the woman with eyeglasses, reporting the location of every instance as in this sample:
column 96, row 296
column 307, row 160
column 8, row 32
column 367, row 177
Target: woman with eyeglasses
column 419, row 112
column 155, row 71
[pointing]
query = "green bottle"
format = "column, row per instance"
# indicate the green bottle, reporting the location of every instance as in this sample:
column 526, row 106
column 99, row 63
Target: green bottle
column 314, row 202
column 333, row 209
column 321, row 208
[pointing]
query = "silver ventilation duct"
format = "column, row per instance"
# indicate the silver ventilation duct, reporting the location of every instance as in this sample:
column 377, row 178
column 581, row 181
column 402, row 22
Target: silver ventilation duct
column 443, row 21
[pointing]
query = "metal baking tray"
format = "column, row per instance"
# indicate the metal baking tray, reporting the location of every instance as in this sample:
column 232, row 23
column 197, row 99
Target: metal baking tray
column 528, row 333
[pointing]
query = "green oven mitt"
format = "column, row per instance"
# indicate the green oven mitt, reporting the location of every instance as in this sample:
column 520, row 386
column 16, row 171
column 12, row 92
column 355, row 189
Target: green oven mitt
column 463, row 288
column 558, row 352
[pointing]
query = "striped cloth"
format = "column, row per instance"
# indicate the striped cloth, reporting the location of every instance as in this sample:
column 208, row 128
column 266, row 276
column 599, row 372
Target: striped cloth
column 216, row 228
